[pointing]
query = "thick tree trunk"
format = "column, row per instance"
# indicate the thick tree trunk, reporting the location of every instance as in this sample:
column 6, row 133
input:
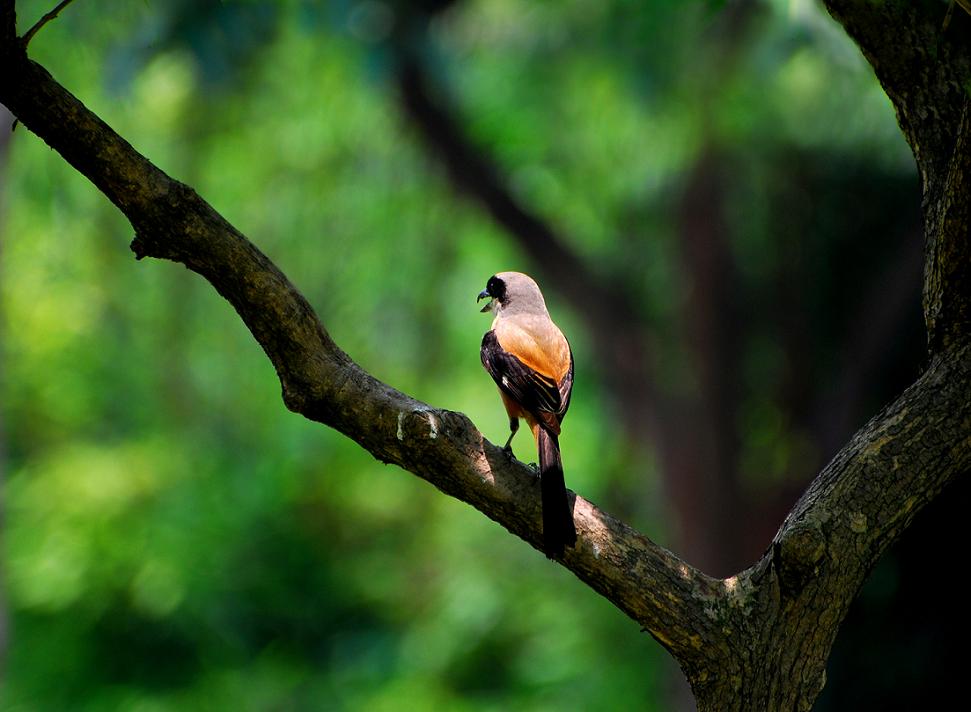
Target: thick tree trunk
column 925, row 68
column 789, row 606
column 755, row 641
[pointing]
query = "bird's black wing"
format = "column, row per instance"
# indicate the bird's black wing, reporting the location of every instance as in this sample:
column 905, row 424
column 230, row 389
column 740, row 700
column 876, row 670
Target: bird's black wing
column 565, row 388
column 537, row 394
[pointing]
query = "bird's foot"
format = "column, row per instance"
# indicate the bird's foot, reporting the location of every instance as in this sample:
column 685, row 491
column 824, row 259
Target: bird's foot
column 507, row 448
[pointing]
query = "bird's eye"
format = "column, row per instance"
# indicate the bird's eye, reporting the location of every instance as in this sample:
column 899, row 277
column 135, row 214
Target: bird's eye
column 496, row 288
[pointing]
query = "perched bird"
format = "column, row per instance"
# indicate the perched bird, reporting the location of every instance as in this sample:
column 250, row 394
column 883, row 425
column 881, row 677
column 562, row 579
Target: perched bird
column 530, row 360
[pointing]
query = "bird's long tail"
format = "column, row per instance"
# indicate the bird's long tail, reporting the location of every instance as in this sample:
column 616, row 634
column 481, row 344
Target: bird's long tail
column 558, row 529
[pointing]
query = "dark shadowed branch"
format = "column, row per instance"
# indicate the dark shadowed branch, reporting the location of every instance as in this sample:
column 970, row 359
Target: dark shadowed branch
column 926, row 72
column 29, row 34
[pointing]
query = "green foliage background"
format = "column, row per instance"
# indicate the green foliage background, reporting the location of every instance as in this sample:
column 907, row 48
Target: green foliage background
column 174, row 537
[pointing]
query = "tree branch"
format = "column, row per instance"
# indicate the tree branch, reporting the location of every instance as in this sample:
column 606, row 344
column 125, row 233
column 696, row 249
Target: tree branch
column 783, row 613
column 29, row 35
column 8, row 22
column 926, row 72
column 322, row 383
column 947, row 272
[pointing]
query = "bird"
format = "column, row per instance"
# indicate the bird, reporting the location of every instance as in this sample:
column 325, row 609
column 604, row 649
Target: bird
column 532, row 364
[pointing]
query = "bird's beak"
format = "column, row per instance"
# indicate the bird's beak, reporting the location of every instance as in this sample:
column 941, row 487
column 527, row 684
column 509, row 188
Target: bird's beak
column 484, row 294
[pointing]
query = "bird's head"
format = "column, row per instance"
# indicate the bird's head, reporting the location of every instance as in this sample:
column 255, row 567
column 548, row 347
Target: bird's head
column 512, row 291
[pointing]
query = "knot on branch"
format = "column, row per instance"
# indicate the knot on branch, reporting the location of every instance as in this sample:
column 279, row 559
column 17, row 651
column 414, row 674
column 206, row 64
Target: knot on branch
column 171, row 221
column 139, row 246
column 797, row 556
column 419, row 424
column 419, row 427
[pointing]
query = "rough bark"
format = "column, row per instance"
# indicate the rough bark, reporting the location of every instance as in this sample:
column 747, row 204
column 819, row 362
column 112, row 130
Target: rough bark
column 925, row 68
column 755, row 641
